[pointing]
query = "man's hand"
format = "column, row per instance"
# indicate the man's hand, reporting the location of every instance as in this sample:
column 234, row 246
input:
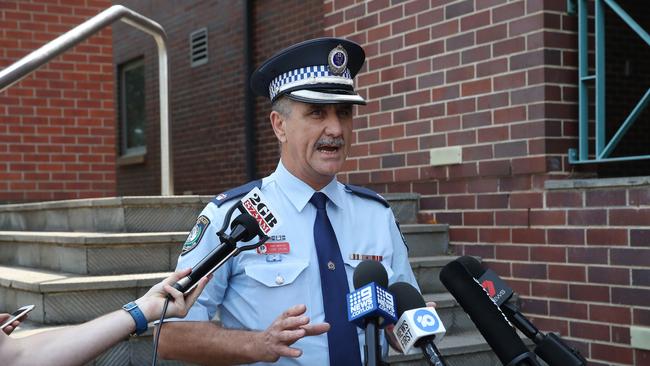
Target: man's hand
column 285, row 331
column 10, row 328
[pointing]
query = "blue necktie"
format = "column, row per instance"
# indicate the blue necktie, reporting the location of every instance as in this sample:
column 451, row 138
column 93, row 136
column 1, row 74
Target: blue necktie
column 342, row 337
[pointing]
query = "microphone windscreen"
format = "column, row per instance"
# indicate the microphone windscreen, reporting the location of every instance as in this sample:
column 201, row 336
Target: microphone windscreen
column 472, row 265
column 249, row 223
column 486, row 315
column 370, row 271
column 406, row 297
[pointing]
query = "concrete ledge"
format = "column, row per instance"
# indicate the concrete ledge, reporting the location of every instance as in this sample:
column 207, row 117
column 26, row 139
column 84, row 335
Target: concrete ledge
column 107, row 202
column 432, row 261
column 596, row 183
column 64, row 238
column 37, row 280
column 424, row 228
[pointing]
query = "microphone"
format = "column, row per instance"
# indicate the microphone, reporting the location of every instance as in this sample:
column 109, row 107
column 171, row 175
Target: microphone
column 255, row 219
column 418, row 325
column 549, row 347
column 370, row 306
column 486, row 315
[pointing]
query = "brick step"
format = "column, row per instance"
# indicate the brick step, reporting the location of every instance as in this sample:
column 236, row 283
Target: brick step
column 463, row 349
column 63, row 298
column 121, row 253
column 92, row 253
column 427, row 272
column 456, row 321
column 138, row 214
column 426, row 239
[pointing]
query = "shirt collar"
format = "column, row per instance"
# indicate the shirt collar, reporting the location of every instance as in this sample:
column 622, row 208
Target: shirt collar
column 299, row 192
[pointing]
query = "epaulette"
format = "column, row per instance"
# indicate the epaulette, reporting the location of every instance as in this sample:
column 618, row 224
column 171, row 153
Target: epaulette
column 366, row 193
column 236, row 192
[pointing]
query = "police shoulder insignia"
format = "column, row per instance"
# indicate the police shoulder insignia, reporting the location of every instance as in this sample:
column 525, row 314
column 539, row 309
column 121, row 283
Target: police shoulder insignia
column 196, row 234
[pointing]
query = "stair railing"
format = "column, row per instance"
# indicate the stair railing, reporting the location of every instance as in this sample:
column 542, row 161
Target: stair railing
column 28, row 64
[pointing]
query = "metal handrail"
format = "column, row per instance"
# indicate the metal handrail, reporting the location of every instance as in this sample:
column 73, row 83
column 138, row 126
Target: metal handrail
column 23, row 67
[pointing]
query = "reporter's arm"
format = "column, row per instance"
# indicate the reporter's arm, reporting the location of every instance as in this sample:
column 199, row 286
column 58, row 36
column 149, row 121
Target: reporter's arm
column 76, row 345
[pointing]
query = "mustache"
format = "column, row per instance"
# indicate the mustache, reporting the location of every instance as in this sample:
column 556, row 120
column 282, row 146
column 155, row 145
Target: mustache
column 324, row 141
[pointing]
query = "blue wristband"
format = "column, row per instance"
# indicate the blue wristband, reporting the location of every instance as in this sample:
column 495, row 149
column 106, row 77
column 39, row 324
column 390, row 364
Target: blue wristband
column 141, row 323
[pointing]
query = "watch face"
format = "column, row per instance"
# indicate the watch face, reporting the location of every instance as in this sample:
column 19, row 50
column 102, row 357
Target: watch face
column 130, row 306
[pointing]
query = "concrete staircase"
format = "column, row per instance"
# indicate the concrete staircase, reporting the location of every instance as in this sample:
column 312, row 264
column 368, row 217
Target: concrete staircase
column 78, row 259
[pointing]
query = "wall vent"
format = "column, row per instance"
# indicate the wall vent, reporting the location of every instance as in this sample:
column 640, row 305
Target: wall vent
column 199, row 47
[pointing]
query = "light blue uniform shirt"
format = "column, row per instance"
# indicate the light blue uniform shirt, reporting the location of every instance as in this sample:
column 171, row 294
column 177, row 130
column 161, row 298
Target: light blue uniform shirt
column 253, row 289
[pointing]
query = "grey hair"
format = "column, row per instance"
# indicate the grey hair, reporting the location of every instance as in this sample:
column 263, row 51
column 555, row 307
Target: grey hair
column 282, row 105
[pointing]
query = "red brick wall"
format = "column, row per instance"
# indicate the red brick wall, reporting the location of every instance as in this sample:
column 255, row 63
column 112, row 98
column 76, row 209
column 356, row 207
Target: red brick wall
column 499, row 79
column 278, row 24
column 207, row 101
column 57, row 125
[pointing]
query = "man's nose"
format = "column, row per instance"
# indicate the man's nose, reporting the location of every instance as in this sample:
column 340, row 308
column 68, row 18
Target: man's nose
column 334, row 127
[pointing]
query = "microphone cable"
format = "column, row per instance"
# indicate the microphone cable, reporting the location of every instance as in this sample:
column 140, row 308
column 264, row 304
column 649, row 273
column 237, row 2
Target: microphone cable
column 157, row 333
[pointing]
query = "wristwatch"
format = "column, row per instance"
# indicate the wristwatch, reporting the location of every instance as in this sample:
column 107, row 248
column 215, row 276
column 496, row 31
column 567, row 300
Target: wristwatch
column 141, row 323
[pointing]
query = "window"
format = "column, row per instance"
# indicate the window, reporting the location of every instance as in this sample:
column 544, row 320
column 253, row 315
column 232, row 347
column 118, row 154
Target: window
column 132, row 108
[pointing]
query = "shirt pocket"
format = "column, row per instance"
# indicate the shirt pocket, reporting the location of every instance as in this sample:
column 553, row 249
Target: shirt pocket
column 274, row 288
column 275, row 274
column 351, row 265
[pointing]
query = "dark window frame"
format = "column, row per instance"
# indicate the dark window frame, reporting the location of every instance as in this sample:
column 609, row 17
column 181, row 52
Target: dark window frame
column 129, row 155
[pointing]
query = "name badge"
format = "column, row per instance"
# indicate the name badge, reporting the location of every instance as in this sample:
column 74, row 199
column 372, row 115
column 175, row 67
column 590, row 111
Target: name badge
column 274, row 248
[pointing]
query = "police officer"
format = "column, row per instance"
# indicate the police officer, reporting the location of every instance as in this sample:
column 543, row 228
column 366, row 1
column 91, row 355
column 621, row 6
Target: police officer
column 286, row 301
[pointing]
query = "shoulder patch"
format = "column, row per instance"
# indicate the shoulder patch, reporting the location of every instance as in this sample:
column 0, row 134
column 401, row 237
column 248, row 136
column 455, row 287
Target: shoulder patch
column 236, row 192
column 196, row 234
column 366, row 193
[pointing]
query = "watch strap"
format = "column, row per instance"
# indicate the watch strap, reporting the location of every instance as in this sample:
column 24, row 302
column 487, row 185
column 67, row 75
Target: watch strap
column 141, row 323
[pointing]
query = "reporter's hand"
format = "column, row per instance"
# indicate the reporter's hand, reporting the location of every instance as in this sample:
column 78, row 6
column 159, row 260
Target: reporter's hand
column 289, row 327
column 152, row 302
column 10, row 328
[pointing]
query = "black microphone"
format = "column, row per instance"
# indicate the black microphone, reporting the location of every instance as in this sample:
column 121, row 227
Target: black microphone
column 486, row 315
column 255, row 219
column 418, row 325
column 370, row 306
column 243, row 228
column 549, row 347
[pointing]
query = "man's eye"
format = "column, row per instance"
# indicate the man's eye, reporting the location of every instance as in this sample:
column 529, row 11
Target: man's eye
column 345, row 112
column 316, row 112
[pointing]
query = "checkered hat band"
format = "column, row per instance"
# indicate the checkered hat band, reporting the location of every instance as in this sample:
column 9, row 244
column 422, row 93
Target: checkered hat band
column 307, row 75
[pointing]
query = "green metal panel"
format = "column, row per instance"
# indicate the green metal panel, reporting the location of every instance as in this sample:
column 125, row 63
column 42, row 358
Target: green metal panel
column 602, row 148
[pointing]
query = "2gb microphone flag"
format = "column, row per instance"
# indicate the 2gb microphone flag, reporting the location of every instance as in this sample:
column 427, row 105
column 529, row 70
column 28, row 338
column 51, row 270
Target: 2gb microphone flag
column 255, row 205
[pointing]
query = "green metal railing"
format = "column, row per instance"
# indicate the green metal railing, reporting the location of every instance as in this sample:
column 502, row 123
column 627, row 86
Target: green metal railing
column 603, row 148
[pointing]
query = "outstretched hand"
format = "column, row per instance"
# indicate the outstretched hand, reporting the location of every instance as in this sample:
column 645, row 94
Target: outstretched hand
column 152, row 302
column 288, row 328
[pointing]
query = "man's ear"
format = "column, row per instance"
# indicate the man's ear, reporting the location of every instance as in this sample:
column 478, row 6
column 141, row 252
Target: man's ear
column 279, row 124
